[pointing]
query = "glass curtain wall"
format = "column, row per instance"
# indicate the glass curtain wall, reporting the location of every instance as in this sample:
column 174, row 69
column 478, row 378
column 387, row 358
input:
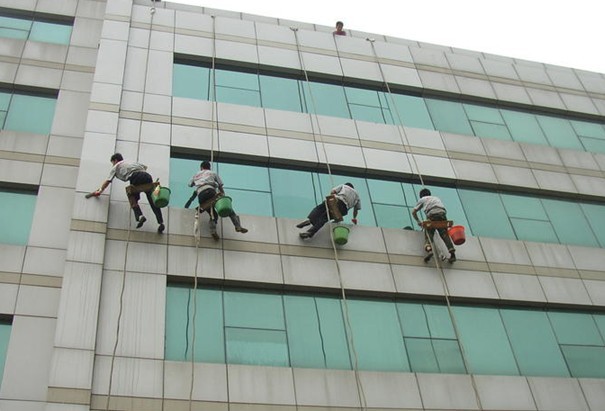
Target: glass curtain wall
column 337, row 100
column 236, row 326
column 287, row 193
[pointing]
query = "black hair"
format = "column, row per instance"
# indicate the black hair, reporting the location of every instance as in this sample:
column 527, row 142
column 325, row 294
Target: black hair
column 349, row 184
column 425, row 192
column 340, row 22
column 116, row 157
column 205, row 165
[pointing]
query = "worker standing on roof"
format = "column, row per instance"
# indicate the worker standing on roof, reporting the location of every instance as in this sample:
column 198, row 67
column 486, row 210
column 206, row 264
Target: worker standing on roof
column 435, row 211
column 339, row 29
column 140, row 182
column 206, row 183
column 346, row 197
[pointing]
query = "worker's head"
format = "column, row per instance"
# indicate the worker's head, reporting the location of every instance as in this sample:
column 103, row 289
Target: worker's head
column 205, row 165
column 117, row 157
column 339, row 25
column 425, row 192
column 349, row 184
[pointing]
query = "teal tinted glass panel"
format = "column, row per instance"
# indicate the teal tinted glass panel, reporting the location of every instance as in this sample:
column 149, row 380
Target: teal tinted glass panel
column 209, row 345
column 316, row 333
column 421, row 355
column 559, row 132
column 5, row 333
column 534, row 344
column 413, row 320
column 244, row 177
column 486, row 214
column 575, row 328
column 600, row 321
column 13, row 33
column 5, row 99
column 585, row 362
column 412, row 111
column 17, row 224
column 32, row 114
column 236, row 79
column 362, row 97
column 280, row 93
column 251, row 202
column 304, row 333
column 181, row 170
column 331, row 321
column 238, row 96
column 449, row 116
column 524, row 127
column 448, row 356
column 377, row 336
column 254, row 310
column 485, row 342
column 483, row 114
column 489, row 130
column 326, row 99
column 50, row 32
column 524, row 207
column 389, row 216
column 593, row 145
column 191, row 81
column 439, row 321
column 367, row 113
column 256, row 347
column 596, row 217
column 15, row 23
column 586, row 129
column 569, row 222
column 532, row 230
column 386, row 192
column 293, row 193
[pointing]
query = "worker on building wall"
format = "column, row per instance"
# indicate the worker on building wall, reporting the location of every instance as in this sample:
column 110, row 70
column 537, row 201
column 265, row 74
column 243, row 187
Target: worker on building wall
column 435, row 211
column 140, row 182
column 207, row 183
column 346, row 198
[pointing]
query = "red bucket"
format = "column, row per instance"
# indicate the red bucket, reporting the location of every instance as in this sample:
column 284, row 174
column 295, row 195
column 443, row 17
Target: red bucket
column 457, row 234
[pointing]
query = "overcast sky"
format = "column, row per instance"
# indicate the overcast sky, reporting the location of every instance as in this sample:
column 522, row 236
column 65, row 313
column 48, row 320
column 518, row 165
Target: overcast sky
column 561, row 32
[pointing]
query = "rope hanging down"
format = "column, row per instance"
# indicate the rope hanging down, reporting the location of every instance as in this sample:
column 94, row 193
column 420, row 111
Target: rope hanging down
column 196, row 224
column 313, row 111
column 446, row 292
column 123, row 283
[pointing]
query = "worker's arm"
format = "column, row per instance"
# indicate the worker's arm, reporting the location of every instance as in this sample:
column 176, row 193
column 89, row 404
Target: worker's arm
column 415, row 215
column 354, row 220
column 103, row 187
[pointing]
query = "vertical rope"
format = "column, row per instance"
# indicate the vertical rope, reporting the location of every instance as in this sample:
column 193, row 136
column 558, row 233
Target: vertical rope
column 360, row 390
column 196, row 224
column 123, row 283
column 446, row 292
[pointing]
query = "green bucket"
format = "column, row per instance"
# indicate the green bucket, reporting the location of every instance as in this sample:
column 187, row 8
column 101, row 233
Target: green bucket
column 223, row 206
column 341, row 234
column 161, row 196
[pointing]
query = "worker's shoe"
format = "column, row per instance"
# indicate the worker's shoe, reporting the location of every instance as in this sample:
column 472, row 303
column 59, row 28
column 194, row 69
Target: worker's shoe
column 241, row 230
column 215, row 236
column 428, row 257
column 161, row 228
column 303, row 223
column 452, row 257
column 141, row 221
column 306, row 235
